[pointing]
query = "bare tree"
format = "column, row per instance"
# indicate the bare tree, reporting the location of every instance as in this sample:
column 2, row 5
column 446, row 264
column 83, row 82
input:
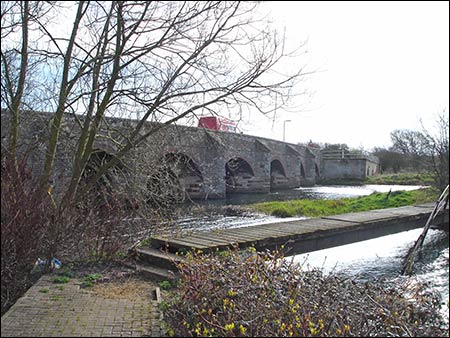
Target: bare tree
column 412, row 144
column 427, row 149
column 13, row 83
column 437, row 142
column 147, row 61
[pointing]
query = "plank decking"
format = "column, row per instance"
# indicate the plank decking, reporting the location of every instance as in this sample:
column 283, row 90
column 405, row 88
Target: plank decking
column 383, row 221
column 301, row 236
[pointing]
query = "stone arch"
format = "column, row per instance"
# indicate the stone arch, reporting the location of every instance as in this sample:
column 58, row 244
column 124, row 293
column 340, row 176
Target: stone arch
column 277, row 175
column 176, row 178
column 238, row 175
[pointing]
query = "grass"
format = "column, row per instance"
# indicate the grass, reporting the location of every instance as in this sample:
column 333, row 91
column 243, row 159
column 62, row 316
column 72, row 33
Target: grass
column 317, row 208
column 90, row 279
column 401, row 179
column 61, row 280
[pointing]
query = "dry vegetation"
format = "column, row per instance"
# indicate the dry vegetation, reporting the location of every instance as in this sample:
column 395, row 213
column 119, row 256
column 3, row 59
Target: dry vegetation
column 235, row 295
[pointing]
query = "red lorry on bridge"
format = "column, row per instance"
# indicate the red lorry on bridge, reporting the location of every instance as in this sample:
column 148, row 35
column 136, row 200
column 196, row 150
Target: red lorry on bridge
column 216, row 123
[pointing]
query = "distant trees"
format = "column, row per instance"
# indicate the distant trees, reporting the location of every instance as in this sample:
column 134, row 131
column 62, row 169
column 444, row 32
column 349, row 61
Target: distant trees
column 413, row 145
column 390, row 160
column 420, row 151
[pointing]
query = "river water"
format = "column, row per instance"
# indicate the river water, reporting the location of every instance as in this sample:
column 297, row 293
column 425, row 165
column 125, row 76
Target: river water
column 367, row 260
column 210, row 215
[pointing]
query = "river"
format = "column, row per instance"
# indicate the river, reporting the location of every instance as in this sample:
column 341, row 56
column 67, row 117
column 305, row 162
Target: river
column 214, row 214
column 367, row 260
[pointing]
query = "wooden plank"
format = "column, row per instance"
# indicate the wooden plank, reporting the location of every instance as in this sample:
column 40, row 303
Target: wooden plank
column 179, row 243
column 233, row 236
column 253, row 234
column 201, row 242
column 238, row 234
column 262, row 232
column 360, row 217
column 209, row 238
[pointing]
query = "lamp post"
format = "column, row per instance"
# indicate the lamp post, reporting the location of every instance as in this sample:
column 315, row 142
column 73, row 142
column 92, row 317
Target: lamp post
column 284, row 129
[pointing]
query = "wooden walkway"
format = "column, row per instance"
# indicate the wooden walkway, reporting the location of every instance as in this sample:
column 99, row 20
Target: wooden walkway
column 298, row 236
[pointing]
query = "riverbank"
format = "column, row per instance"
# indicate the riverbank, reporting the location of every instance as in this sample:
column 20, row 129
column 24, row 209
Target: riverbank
column 318, row 208
column 402, row 179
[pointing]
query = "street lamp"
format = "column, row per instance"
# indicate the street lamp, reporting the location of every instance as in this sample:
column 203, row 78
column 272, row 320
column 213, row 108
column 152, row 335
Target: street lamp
column 284, row 129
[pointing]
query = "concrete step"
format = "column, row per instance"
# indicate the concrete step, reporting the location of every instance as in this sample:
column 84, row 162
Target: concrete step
column 156, row 273
column 158, row 258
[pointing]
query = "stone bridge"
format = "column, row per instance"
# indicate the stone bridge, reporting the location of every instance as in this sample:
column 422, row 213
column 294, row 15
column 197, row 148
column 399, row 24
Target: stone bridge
column 213, row 163
column 202, row 163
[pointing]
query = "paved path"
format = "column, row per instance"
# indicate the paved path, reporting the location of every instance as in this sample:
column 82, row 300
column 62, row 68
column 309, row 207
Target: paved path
column 66, row 310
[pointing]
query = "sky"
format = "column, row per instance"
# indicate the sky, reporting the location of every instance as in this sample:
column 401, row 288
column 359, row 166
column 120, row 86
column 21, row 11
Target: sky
column 380, row 66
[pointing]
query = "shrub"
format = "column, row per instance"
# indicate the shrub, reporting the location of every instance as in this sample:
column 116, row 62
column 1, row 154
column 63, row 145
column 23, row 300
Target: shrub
column 263, row 294
column 25, row 217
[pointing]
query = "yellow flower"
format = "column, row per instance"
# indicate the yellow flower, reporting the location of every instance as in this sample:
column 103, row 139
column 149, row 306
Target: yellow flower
column 229, row 327
column 232, row 293
column 321, row 325
column 242, row 329
column 346, row 327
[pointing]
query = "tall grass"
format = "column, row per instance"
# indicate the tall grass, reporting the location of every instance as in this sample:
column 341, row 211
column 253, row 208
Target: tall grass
column 402, row 179
column 317, row 208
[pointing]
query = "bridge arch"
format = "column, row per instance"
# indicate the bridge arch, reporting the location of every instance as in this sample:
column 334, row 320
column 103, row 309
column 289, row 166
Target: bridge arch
column 238, row 175
column 176, row 178
column 277, row 175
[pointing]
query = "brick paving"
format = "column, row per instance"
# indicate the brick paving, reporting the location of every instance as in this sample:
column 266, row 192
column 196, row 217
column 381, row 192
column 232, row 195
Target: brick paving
column 66, row 310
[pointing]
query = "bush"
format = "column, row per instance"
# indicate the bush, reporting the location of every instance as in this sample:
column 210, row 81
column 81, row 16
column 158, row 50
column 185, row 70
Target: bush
column 24, row 221
column 256, row 294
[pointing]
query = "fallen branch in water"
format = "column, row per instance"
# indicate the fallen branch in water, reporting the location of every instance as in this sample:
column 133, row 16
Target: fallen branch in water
column 441, row 204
